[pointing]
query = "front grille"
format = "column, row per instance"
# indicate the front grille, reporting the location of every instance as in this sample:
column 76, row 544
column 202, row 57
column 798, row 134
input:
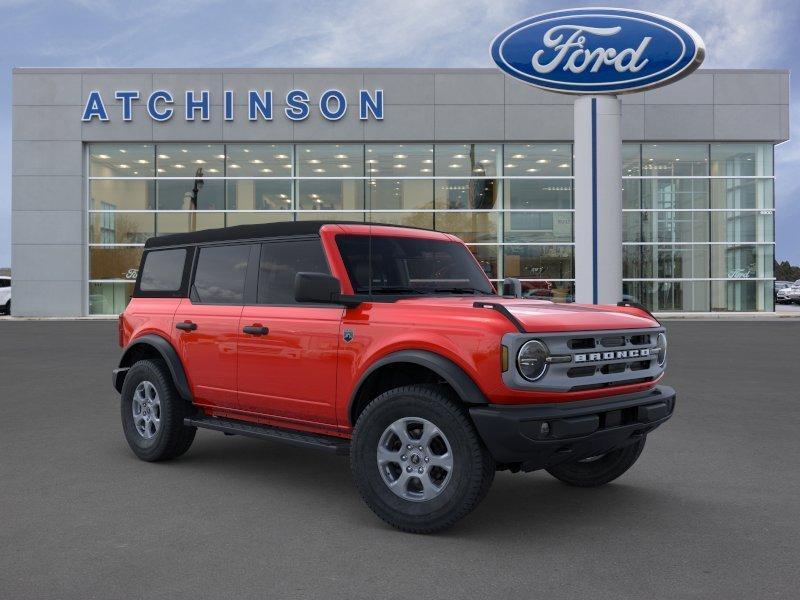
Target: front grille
column 599, row 359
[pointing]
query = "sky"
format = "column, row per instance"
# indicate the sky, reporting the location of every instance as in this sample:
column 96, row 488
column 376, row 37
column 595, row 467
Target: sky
column 355, row 33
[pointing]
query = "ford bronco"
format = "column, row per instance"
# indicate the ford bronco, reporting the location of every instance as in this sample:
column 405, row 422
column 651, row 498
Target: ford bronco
column 389, row 344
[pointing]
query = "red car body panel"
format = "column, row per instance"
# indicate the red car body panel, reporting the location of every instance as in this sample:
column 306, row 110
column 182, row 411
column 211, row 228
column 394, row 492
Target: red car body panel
column 303, row 375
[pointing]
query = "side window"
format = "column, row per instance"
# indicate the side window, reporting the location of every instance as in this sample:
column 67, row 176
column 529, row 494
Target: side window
column 163, row 270
column 220, row 274
column 280, row 262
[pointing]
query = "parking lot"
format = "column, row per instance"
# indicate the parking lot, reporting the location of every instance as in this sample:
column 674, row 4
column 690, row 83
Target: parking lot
column 711, row 510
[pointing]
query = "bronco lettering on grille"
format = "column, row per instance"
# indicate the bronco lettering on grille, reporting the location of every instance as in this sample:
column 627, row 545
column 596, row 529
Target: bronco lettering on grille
column 619, row 354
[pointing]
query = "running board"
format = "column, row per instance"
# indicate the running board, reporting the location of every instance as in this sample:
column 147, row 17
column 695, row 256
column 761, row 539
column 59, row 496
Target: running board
column 265, row 432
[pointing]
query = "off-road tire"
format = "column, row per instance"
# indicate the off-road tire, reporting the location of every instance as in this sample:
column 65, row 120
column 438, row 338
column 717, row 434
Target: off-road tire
column 173, row 438
column 7, row 308
column 473, row 466
column 600, row 471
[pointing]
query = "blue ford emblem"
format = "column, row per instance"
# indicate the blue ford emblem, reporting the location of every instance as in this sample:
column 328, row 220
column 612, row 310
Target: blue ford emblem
column 598, row 50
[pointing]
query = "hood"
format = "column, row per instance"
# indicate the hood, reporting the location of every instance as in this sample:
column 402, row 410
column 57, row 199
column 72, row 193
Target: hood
column 543, row 316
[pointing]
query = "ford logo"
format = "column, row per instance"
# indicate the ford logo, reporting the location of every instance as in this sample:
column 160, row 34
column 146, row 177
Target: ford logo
column 598, row 50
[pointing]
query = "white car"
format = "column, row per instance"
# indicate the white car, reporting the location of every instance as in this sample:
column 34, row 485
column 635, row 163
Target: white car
column 790, row 294
column 5, row 295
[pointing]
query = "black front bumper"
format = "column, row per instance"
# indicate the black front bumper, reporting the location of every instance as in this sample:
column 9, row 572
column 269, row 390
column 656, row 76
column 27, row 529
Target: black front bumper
column 537, row 436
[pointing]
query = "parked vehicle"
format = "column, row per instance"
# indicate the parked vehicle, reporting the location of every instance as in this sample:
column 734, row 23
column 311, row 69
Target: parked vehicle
column 791, row 294
column 388, row 344
column 5, row 295
column 780, row 291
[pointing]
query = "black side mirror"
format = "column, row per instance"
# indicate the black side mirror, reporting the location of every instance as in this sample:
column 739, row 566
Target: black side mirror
column 316, row 287
column 512, row 287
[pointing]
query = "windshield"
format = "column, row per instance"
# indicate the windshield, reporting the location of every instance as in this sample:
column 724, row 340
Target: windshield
column 410, row 266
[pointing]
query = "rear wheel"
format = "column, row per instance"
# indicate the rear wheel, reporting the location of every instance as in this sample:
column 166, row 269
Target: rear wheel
column 152, row 413
column 598, row 470
column 7, row 308
column 417, row 460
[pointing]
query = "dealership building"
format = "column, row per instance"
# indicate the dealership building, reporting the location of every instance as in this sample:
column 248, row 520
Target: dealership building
column 103, row 159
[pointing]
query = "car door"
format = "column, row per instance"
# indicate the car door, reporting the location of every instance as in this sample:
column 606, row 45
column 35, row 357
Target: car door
column 206, row 325
column 288, row 351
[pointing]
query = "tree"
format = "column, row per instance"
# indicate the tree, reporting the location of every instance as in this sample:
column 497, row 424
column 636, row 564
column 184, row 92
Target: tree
column 786, row 272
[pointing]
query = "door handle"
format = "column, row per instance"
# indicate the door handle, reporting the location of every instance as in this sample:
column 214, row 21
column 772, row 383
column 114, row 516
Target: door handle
column 186, row 326
column 255, row 329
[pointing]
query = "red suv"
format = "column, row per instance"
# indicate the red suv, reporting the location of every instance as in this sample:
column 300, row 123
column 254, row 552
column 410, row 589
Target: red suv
column 388, row 344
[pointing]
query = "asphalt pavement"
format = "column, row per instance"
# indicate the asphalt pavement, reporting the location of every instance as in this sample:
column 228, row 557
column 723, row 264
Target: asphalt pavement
column 711, row 510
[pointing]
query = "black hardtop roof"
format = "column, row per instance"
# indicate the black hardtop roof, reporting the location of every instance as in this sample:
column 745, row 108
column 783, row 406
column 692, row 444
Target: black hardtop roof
column 250, row 232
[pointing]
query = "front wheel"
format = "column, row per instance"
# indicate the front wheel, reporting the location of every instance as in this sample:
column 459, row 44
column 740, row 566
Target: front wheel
column 598, row 470
column 417, row 460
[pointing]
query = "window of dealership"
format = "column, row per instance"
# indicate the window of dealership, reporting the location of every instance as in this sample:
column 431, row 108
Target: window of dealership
column 698, row 217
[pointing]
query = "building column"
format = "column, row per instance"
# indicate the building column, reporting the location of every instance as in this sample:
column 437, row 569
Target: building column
column 598, row 200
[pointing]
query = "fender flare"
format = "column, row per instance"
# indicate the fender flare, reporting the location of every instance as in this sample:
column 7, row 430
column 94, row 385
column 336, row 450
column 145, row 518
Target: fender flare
column 462, row 384
column 167, row 352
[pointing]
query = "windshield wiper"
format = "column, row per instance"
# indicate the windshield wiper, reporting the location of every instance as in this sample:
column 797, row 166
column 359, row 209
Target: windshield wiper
column 461, row 290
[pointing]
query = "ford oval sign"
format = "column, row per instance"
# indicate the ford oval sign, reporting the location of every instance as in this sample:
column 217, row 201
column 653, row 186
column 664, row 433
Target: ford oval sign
column 598, row 50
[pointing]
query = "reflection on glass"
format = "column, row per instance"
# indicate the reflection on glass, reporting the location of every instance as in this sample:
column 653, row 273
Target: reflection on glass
column 191, row 194
column 330, row 160
column 472, row 227
column 121, row 227
column 538, row 227
column 674, row 226
column 250, row 218
column 399, row 160
column 466, row 193
column 742, row 193
column 538, row 262
column 330, row 194
column 538, row 194
column 192, row 160
column 741, row 160
column 742, row 261
column 406, row 219
column 631, row 193
column 674, row 160
column 114, row 263
column 109, row 298
column 259, row 160
column 122, row 194
column 185, row 222
column 669, row 295
column 121, row 160
column 259, row 194
column 675, row 193
column 467, row 160
column 742, row 296
column 487, row 259
column 631, row 160
column 399, row 194
column 749, row 226
column 665, row 261
column 537, row 160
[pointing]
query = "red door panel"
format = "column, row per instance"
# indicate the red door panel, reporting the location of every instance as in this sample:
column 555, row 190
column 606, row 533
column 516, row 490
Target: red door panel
column 209, row 351
column 290, row 372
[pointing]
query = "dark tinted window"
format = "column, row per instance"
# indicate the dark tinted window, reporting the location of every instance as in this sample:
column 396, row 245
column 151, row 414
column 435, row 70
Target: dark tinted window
column 280, row 262
column 163, row 270
column 410, row 266
column 220, row 274
column 4, row 283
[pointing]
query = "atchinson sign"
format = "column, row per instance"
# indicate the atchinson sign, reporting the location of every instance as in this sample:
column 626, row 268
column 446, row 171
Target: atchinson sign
column 598, row 50
column 160, row 105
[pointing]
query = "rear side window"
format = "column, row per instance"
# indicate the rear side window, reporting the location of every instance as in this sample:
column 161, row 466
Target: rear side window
column 4, row 283
column 280, row 262
column 220, row 274
column 163, row 270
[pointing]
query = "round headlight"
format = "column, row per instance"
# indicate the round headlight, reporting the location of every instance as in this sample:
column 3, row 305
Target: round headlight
column 661, row 346
column 532, row 360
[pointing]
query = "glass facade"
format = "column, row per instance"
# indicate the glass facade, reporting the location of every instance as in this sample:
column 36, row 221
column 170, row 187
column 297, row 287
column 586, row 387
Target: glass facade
column 698, row 226
column 698, row 218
